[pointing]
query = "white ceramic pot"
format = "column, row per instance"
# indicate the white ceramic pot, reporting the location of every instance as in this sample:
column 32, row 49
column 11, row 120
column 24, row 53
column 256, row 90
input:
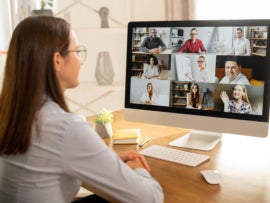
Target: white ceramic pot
column 104, row 130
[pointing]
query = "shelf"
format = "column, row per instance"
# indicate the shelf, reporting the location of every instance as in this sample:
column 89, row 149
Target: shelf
column 258, row 41
column 137, row 69
column 257, row 54
column 179, row 97
column 137, row 37
column 254, row 38
column 140, row 32
column 179, row 104
column 260, row 47
column 179, row 91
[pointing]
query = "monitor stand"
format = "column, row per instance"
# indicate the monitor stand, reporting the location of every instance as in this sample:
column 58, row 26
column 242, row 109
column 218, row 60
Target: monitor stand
column 196, row 139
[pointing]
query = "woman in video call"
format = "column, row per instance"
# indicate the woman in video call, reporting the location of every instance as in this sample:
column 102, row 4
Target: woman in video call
column 151, row 68
column 46, row 152
column 149, row 97
column 240, row 102
column 194, row 98
column 203, row 74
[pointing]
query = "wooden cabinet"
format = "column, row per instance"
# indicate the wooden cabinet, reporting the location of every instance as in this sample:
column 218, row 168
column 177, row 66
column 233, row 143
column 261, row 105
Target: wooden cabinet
column 258, row 41
column 179, row 92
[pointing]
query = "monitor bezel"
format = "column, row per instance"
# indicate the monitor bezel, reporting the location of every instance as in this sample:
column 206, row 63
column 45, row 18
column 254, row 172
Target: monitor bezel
column 198, row 23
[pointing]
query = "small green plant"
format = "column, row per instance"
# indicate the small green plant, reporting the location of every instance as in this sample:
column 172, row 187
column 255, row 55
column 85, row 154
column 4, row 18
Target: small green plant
column 105, row 116
column 45, row 3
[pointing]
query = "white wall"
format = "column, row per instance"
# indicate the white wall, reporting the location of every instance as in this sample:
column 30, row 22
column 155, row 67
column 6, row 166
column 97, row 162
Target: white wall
column 147, row 10
column 85, row 20
column 5, row 25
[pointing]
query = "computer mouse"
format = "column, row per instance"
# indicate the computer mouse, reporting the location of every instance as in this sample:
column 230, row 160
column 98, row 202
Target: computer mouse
column 211, row 176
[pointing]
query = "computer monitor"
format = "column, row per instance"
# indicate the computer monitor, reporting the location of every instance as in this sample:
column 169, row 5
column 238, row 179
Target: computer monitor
column 206, row 75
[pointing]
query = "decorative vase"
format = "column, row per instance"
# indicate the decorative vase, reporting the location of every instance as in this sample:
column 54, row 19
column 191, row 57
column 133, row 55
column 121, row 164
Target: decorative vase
column 104, row 130
column 104, row 69
column 47, row 12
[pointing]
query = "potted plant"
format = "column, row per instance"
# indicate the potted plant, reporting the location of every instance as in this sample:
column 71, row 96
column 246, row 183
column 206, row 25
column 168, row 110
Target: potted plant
column 45, row 9
column 103, row 123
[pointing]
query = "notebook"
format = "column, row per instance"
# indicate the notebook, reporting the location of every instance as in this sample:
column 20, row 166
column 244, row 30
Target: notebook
column 127, row 136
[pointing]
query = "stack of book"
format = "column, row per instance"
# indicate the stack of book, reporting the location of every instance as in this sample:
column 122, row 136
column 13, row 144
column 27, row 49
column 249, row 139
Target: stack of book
column 127, row 136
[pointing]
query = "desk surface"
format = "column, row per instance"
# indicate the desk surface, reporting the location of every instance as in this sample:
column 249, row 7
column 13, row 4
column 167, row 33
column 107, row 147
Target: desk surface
column 244, row 163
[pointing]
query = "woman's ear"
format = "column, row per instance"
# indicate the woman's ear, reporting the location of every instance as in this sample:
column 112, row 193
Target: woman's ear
column 58, row 61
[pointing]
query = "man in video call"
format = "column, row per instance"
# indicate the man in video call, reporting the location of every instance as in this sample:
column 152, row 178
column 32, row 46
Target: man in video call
column 152, row 44
column 241, row 45
column 233, row 73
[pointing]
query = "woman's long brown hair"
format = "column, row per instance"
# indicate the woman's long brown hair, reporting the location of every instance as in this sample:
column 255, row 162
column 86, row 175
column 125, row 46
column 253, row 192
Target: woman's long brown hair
column 194, row 97
column 150, row 94
column 29, row 77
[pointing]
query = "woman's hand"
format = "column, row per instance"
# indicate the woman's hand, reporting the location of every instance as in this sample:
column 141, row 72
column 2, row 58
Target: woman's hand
column 134, row 160
column 224, row 97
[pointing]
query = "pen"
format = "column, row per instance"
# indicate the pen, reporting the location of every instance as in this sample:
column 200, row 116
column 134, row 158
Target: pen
column 144, row 142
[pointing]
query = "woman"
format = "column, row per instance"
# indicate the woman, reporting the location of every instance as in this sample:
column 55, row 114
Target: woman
column 240, row 102
column 203, row 75
column 46, row 151
column 149, row 97
column 194, row 98
column 151, row 68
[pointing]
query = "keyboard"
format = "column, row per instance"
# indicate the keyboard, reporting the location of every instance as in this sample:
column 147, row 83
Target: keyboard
column 175, row 155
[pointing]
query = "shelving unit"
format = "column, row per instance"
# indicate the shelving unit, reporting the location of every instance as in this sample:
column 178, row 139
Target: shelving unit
column 177, row 34
column 179, row 92
column 258, row 41
column 138, row 35
column 137, row 64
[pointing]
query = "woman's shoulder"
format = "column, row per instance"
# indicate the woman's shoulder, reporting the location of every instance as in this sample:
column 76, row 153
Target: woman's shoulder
column 52, row 111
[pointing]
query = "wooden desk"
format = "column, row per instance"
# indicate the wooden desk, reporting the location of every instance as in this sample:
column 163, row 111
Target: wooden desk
column 244, row 163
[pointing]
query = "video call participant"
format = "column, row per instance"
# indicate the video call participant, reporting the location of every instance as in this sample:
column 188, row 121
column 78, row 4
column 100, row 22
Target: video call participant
column 151, row 68
column 203, row 74
column 152, row 44
column 194, row 99
column 239, row 102
column 193, row 45
column 233, row 73
column 46, row 152
column 241, row 45
column 149, row 97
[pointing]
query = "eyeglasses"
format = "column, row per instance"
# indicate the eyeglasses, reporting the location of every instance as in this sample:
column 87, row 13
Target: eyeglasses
column 238, row 33
column 200, row 61
column 81, row 52
column 193, row 33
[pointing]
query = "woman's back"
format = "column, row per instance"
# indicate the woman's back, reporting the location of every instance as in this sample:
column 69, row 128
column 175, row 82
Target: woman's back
column 66, row 151
column 38, row 175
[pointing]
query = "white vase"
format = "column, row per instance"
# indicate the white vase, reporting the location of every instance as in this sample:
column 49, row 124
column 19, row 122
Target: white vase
column 104, row 69
column 104, row 130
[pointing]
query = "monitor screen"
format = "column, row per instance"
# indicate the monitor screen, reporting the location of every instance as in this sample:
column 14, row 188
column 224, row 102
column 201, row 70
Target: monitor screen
column 210, row 75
